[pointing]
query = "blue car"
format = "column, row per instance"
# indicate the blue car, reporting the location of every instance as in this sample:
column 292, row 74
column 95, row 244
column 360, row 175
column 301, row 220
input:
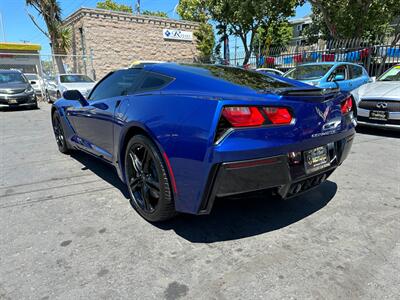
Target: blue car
column 181, row 136
column 342, row 75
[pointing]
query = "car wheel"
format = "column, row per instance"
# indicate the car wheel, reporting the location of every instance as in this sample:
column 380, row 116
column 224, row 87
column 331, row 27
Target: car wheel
column 59, row 134
column 147, row 180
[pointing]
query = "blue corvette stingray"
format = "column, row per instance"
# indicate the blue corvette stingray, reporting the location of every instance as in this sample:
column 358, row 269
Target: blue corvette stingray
column 181, row 136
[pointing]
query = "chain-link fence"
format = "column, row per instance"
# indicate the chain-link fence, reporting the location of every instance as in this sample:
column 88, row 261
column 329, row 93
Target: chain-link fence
column 375, row 57
column 41, row 69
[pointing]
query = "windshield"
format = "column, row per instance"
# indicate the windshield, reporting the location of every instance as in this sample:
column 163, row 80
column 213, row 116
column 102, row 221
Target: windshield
column 308, row 72
column 12, row 77
column 31, row 76
column 252, row 79
column 74, row 78
column 392, row 74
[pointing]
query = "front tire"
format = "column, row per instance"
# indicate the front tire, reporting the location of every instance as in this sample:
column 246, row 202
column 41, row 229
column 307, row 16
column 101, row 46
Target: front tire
column 59, row 134
column 147, row 180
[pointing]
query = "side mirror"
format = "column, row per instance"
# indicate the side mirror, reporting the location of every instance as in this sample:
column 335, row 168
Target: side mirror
column 76, row 96
column 372, row 79
column 338, row 78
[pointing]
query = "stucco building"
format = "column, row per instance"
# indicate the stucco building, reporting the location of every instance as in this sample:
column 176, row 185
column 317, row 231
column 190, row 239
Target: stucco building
column 116, row 39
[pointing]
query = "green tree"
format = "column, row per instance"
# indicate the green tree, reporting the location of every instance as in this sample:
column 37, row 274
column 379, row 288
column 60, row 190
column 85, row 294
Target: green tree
column 243, row 18
column 155, row 13
column 349, row 19
column 196, row 10
column 59, row 36
column 112, row 5
column 277, row 35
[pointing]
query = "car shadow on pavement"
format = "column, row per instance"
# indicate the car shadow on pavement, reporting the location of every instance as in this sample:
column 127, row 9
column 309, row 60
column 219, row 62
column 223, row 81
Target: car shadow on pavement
column 101, row 169
column 241, row 217
column 233, row 217
column 378, row 132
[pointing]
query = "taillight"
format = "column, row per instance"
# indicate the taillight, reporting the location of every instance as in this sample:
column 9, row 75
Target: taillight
column 347, row 105
column 278, row 115
column 251, row 116
column 243, row 116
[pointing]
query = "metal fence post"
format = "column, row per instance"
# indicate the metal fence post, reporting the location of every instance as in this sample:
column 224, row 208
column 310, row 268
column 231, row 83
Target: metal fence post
column 91, row 64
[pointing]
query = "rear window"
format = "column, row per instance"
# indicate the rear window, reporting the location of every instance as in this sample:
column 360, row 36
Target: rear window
column 31, row 76
column 308, row 72
column 252, row 79
column 74, row 78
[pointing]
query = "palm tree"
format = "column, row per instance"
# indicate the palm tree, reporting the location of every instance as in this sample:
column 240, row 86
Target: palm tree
column 59, row 36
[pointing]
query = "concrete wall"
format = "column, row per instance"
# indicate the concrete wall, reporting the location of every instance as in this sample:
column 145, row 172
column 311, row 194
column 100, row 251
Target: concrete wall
column 116, row 39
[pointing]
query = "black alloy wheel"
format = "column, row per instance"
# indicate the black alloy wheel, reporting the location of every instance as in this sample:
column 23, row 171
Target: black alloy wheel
column 147, row 180
column 59, row 134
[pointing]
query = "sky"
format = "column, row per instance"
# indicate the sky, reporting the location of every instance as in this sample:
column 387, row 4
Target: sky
column 18, row 27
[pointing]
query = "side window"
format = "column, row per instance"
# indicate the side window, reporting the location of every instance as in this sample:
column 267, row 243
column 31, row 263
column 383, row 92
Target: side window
column 340, row 70
column 356, row 71
column 154, row 82
column 119, row 83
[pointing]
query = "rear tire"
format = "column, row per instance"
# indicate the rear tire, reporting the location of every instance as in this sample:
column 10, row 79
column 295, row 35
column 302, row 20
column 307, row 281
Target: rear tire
column 59, row 134
column 147, row 180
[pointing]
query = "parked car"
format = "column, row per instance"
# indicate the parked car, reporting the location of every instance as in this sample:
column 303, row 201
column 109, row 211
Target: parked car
column 182, row 135
column 379, row 102
column 15, row 90
column 36, row 82
column 270, row 70
column 346, row 76
column 66, row 82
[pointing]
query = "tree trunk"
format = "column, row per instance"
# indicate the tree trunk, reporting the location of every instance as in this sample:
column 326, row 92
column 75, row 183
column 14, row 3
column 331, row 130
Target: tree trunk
column 60, row 65
column 246, row 56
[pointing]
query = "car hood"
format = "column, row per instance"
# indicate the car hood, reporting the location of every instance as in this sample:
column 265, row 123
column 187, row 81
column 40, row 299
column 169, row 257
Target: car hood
column 388, row 90
column 13, row 88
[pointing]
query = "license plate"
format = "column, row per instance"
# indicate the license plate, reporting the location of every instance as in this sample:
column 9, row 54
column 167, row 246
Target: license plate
column 378, row 115
column 316, row 159
column 12, row 101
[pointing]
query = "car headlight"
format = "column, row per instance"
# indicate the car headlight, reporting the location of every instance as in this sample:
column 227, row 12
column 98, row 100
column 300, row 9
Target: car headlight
column 314, row 83
column 29, row 90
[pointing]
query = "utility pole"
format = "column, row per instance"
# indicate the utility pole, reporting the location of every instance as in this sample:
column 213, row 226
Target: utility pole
column 138, row 7
column 2, row 28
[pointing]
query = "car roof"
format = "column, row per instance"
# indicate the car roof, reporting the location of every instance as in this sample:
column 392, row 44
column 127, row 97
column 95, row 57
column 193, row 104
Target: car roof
column 332, row 63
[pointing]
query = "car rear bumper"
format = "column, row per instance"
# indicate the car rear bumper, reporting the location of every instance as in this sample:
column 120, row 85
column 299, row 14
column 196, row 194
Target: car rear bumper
column 277, row 174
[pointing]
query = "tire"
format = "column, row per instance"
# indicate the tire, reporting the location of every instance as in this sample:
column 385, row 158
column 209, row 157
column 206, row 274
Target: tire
column 147, row 180
column 59, row 134
column 35, row 105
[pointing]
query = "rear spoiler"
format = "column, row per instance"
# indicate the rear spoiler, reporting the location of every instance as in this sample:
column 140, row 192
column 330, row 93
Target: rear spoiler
column 312, row 94
column 308, row 92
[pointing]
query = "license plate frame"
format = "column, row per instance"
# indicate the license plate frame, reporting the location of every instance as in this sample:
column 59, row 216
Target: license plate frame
column 316, row 159
column 12, row 101
column 378, row 115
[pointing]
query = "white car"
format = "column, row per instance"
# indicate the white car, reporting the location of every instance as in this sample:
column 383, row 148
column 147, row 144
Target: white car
column 36, row 82
column 66, row 82
column 378, row 103
column 270, row 70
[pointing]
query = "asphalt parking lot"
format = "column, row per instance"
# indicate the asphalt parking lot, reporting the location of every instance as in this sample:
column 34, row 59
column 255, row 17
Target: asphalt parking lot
column 67, row 230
